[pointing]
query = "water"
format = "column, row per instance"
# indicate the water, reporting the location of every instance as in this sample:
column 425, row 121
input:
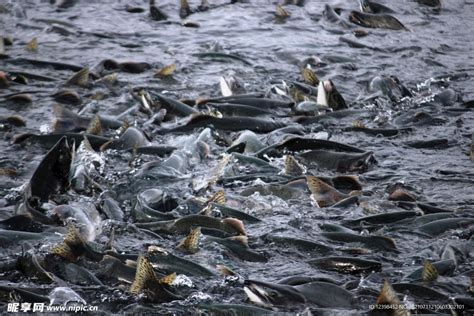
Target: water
column 435, row 55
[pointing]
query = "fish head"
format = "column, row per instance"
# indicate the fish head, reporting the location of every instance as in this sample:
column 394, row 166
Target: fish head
column 270, row 294
column 365, row 6
column 357, row 18
column 360, row 163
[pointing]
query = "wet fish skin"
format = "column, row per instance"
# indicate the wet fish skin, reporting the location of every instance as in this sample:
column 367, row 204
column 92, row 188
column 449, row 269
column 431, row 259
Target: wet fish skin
column 239, row 247
column 374, row 7
column 234, row 309
column 51, row 175
column 155, row 13
column 376, row 20
column 441, row 226
column 302, row 244
column 340, row 162
column 170, row 263
column 346, row 264
column 235, row 123
column 375, row 242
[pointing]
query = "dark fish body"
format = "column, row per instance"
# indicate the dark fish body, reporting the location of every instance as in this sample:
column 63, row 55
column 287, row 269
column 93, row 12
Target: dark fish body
column 384, row 218
column 240, row 250
column 443, row 225
column 262, row 103
column 184, row 224
column 235, row 123
column 230, row 109
column 51, row 175
column 174, row 107
column 373, row 242
column 233, row 309
column 346, row 264
column 383, row 21
column 444, row 267
column 171, row 263
column 374, row 7
column 341, row 162
column 302, row 244
column 326, row 295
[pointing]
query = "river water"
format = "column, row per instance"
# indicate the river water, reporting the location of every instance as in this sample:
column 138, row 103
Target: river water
column 433, row 57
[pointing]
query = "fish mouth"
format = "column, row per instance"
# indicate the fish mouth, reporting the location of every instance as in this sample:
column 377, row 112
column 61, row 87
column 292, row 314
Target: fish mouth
column 274, row 294
column 361, row 164
column 356, row 17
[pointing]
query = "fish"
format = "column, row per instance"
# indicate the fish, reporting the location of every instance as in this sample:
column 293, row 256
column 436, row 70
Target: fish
column 168, row 262
column 281, row 13
column 441, row 226
column 302, row 244
column 238, row 246
column 384, row 218
column 374, row 242
column 51, row 175
column 384, row 21
column 67, row 96
column 388, row 296
column 166, row 71
column 85, row 216
column 190, row 244
column 147, row 282
column 368, row 6
column 32, row 45
column 231, row 85
column 310, row 76
column 429, row 273
column 332, row 16
column 184, row 9
column 219, row 55
column 267, row 294
column 346, row 265
column 233, row 309
column 236, row 123
column 430, row 3
column 155, row 13
column 322, row 193
column 183, row 225
column 81, row 78
column 339, row 161
column 292, row 167
column 172, row 106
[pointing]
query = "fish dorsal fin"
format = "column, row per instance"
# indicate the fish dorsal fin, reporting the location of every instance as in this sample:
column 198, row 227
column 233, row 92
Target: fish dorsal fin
column 166, row 71
column 236, row 224
column 32, row 45
column 63, row 250
column 292, row 167
column 429, row 272
column 87, row 144
column 244, row 240
column 323, row 193
column 310, row 77
column 191, row 242
column 80, row 78
column 207, row 210
column 281, row 12
column 95, row 126
column 169, row 279
column 218, row 198
column 225, row 271
column 73, row 237
column 143, row 275
column 387, row 295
